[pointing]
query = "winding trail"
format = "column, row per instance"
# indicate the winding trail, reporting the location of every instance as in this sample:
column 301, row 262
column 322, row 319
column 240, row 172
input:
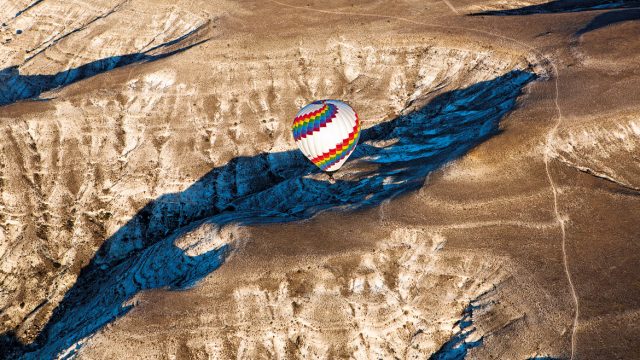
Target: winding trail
column 549, row 139
column 565, row 259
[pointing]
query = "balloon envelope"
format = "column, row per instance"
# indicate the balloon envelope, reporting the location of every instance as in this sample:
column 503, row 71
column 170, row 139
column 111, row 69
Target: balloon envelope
column 327, row 132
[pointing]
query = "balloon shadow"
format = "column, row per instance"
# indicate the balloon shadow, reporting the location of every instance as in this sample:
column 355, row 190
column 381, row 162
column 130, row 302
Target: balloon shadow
column 393, row 158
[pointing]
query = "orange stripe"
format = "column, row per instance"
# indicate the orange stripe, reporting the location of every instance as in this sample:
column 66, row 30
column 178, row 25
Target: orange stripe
column 300, row 119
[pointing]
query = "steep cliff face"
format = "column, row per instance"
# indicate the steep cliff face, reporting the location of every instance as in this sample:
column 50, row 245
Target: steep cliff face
column 367, row 304
column 53, row 185
column 69, row 185
column 143, row 144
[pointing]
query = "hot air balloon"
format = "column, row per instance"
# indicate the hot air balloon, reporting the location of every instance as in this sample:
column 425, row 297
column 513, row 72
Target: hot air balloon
column 327, row 131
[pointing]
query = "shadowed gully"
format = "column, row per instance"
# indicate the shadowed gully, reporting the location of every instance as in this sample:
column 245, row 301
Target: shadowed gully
column 565, row 6
column 610, row 18
column 15, row 87
column 393, row 158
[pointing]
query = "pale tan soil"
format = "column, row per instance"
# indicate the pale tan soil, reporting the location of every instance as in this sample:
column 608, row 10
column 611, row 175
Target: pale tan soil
column 545, row 210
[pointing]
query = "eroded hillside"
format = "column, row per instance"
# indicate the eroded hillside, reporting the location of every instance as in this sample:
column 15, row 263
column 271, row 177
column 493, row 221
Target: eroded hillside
column 160, row 158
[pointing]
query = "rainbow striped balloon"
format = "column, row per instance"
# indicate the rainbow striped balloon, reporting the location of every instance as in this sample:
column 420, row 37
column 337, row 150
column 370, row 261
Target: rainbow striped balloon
column 327, row 132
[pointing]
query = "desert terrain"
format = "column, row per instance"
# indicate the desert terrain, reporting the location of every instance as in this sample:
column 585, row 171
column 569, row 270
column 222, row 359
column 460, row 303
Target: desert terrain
column 153, row 203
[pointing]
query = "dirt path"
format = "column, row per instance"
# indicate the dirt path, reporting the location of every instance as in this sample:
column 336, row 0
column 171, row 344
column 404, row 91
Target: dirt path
column 549, row 140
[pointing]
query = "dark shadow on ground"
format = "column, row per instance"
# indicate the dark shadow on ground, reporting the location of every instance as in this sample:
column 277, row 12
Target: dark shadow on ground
column 610, row 18
column 393, row 158
column 30, row 6
column 564, row 6
column 458, row 346
column 15, row 87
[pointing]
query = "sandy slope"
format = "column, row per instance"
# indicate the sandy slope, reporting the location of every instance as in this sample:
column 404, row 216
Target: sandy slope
column 491, row 211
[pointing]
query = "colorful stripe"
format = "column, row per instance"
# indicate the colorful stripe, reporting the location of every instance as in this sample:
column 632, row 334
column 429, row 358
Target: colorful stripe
column 307, row 124
column 343, row 149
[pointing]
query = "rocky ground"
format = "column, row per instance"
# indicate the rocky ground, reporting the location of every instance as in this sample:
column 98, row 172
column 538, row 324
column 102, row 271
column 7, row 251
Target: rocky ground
column 153, row 203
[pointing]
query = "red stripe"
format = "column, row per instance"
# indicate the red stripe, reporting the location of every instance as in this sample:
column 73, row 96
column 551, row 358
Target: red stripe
column 309, row 115
column 340, row 146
